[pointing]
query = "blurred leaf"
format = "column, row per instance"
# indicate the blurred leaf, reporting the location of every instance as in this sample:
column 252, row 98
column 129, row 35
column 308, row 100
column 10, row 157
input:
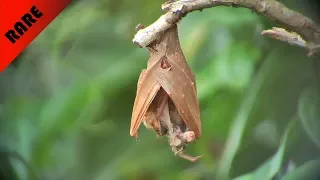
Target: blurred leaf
column 220, row 16
column 266, row 98
column 237, row 129
column 148, row 154
column 62, row 110
column 199, row 34
column 219, row 112
column 233, row 68
column 308, row 171
column 63, row 115
column 270, row 168
column 309, row 113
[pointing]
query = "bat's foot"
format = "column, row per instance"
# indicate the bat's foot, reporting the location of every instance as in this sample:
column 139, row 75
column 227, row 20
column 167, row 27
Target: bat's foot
column 179, row 151
column 191, row 158
column 188, row 157
column 181, row 154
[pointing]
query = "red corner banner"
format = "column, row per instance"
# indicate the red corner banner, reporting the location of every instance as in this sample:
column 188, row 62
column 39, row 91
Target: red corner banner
column 21, row 22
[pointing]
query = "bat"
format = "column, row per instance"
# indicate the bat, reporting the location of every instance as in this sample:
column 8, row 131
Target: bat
column 166, row 98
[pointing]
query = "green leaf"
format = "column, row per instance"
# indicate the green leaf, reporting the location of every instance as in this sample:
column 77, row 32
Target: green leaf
column 270, row 168
column 63, row 116
column 256, row 102
column 62, row 110
column 232, row 67
column 309, row 113
column 308, row 171
column 240, row 121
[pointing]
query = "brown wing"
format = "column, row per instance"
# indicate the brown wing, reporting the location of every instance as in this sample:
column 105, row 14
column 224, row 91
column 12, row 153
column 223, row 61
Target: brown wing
column 171, row 47
column 147, row 89
column 179, row 81
column 182, row 91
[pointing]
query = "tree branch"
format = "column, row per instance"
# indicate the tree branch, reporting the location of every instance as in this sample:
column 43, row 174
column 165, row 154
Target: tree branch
column 283, row 35
column 274, row 10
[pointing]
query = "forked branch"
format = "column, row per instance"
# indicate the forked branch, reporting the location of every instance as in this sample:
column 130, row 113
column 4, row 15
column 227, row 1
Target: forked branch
column 274, row 10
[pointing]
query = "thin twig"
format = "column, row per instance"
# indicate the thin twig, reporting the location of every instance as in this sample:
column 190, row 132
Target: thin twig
column 285, row 36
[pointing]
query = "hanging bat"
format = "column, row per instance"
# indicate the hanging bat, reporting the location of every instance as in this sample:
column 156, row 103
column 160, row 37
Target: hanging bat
column 166, row 98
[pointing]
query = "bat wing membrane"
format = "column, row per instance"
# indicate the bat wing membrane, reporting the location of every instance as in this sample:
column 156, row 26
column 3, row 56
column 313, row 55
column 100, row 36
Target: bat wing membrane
column 182, row 90
column 147, row 89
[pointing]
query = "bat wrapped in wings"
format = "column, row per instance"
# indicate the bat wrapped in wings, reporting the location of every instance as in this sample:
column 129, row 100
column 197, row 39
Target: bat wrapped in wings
column 166, row 98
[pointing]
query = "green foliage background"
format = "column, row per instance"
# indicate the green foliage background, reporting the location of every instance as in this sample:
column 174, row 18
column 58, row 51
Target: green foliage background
column 66, row 102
